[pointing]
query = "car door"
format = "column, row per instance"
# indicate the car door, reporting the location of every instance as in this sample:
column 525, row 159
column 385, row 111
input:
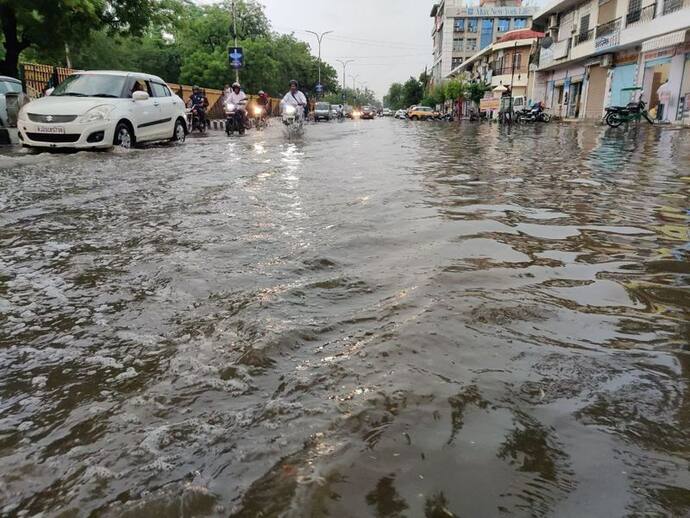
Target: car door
column 146, row 113
column 167, row 106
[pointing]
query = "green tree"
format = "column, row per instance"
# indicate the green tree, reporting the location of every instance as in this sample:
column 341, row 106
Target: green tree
column 394, row 99
column 476, row 91
column 43, row 24
column 412, row 92
column 455, row 89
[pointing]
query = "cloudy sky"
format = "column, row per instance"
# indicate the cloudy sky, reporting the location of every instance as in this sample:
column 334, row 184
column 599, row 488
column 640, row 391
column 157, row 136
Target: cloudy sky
column 388, row 39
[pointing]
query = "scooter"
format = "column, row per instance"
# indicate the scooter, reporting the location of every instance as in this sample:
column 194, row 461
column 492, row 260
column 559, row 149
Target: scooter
column 234, row 119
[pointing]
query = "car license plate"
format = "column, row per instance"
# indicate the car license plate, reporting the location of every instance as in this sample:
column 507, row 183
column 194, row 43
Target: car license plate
column 50, row 129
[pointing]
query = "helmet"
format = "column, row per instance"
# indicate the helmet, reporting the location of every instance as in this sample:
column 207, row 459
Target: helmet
column 196, row 87
column 294, row 82
column 261, row 92
column 236, row 85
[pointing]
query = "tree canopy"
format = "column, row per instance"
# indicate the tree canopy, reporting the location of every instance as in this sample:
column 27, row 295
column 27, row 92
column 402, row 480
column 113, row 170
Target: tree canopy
column 174, row 39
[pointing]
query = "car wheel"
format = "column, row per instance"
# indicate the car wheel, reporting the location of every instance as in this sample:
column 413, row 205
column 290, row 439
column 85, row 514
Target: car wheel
column 414, row 118
column 179, row 133
column 124, row 136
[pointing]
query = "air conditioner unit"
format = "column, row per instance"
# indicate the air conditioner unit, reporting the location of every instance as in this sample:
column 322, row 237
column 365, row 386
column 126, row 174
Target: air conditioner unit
column 606, row 61
column 553, row 21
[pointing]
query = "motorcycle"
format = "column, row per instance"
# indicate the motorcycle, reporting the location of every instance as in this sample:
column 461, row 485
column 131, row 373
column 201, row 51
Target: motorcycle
column 634, row 111
column 259, row 119
column 534, row 114
column 234, row 119
column 198, row 119
column 292, row 122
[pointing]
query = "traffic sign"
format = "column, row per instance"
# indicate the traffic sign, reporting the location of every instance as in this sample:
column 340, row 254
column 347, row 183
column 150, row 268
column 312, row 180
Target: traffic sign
column 236, row 57
column 319, row 88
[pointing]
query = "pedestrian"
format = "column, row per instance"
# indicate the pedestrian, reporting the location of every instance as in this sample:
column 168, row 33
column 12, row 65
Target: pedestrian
column 664, row 95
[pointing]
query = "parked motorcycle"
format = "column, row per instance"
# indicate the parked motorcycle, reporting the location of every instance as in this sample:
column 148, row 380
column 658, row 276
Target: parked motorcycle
column 234, row 119
column 618, row 115
column 534, row 114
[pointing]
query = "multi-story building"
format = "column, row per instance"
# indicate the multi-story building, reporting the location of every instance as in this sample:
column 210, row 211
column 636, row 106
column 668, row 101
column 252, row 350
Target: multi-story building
column 596, row 51
column 503, row 63
column 460, row 32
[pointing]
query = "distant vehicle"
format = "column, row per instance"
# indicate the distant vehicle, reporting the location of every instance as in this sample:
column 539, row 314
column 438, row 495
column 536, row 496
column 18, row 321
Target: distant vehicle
column 387, row 112
column 322, row 112
column 102, row 109
column 8, row 85
column 421, row 113
column 368, row 112
column 335, row 111
column 401, row 114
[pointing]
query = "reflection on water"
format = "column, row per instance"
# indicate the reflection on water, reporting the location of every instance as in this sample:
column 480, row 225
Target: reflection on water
column 450, row 321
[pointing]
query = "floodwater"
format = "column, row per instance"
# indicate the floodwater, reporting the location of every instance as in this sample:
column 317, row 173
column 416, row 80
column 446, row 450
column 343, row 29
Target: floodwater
column 383, row 319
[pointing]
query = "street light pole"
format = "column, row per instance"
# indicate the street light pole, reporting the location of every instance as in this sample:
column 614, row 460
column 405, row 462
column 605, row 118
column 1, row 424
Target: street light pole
column 344, row 63
column 319, row 38
column 354, row 79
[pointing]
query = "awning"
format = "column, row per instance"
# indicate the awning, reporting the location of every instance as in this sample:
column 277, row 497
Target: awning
column 658, row 61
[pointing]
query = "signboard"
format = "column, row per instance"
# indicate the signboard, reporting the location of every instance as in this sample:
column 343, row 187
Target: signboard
column 498, row 11
column 236, row 57
column 319, row 88
column 490, row 104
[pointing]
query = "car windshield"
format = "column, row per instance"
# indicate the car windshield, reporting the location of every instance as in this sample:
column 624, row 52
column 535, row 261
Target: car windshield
column 323, row 106
column 10, row 86
column 91, row 85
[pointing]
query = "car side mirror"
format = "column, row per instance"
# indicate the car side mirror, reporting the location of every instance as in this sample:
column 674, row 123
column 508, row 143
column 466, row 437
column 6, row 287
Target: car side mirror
column 140, row 96
column 49, row 91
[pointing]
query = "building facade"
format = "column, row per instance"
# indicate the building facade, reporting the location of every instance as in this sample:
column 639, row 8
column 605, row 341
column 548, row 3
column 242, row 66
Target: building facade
column 459, row 31
column 595, row 52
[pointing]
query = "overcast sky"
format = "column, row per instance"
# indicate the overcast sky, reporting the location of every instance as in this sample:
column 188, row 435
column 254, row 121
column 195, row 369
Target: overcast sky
column 388, row 39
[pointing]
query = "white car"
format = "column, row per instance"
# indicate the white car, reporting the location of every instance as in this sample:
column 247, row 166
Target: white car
column 401, row 114
column 101, row 109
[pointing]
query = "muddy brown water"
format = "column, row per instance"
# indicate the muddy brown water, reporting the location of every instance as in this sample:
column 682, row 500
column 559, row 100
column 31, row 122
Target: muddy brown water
column 383, row 319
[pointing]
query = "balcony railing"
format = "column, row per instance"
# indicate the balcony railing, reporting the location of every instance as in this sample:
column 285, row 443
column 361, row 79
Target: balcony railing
column 608, row 34
column 671, row 6
column 498, row 71
column 645, row 14
column 583, row 37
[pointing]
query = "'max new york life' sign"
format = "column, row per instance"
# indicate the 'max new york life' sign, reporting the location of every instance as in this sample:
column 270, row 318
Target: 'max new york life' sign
column 497, row 11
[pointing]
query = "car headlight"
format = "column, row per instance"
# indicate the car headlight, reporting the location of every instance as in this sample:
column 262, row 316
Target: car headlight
column 258, row 110
column 230, row 107
column 21, row 116
column 98, row 113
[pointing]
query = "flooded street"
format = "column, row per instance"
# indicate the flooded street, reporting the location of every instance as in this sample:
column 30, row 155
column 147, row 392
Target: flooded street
column 383, row 319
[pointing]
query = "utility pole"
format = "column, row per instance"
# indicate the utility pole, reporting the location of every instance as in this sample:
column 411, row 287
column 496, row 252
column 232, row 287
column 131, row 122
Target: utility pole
column 234, row 29
column 354, row 79
column 512, row 77
column 344, row 64
column 319, row 38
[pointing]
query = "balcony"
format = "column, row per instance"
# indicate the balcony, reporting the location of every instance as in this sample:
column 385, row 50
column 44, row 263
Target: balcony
column 643, row 15
column 506, row 71
column 608, row 34
column 671, row 6
column 583, row 37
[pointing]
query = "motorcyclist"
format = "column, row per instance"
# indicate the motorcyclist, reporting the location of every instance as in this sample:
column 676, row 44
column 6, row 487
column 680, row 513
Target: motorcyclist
column 239, row 99
column 199, row 102
column 295, row 98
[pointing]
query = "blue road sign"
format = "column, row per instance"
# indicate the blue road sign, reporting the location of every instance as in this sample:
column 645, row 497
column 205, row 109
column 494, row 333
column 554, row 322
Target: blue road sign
column 319, row 88
column 236, row 57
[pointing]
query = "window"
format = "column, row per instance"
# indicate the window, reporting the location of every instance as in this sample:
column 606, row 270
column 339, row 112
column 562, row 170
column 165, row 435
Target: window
column 160, row 90
column 458, row 44
column 10, row 86
column 457, row 62
column 471, row 44
column 518, row 61
column 634, row 8
column 487, row 35
column 91, row 85
column 472, row 25
column 520, row 23
column 584, row 26
column 459, row 25
column 503, row 25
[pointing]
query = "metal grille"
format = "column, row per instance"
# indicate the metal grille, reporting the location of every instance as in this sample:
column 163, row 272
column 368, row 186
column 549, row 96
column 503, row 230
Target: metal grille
column 54, row 137
column 51, row 119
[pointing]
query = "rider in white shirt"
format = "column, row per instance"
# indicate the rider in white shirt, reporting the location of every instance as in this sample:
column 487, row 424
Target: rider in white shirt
column 295, row 98
column 236, row 96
